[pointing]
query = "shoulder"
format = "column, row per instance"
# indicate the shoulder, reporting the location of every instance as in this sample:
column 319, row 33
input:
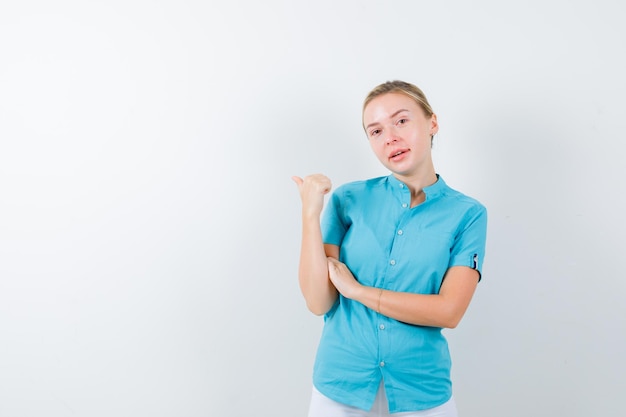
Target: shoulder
column 462, row 200
column 465, row 199
column 362, row 185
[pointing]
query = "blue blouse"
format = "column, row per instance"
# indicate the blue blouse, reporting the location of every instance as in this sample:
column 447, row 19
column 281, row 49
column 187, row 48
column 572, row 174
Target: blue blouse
column 387, row 244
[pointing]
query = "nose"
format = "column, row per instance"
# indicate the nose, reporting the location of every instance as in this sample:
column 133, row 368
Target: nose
column 391, row 135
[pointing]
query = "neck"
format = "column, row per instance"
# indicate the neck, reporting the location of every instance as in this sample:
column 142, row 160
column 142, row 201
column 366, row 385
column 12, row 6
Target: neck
column 417, row 183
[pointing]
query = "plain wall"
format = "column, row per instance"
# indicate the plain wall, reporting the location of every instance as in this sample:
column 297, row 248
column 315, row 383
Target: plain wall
column 149, row 228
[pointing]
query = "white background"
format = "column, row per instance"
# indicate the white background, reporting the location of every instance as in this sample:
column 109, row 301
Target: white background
column 149, row 228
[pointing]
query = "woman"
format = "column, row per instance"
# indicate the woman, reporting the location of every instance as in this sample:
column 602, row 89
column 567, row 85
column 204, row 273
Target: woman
column 395, row 260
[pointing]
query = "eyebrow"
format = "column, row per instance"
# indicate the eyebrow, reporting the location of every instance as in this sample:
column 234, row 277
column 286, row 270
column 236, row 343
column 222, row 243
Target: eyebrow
column 391, row 117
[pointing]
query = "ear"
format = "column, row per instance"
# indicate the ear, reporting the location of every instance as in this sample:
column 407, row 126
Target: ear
column 434, row 125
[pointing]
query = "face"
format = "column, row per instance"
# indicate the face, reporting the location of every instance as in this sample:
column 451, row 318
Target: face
column 400, row 133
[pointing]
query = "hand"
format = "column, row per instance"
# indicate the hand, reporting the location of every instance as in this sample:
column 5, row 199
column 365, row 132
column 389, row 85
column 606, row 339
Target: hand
column 312, row 190
column 342, row 278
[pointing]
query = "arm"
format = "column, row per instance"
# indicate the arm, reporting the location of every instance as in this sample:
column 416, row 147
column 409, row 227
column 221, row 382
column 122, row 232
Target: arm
column 318, row 291
column 445, row 309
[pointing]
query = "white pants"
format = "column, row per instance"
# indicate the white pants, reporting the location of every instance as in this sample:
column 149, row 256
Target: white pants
column 322, row 406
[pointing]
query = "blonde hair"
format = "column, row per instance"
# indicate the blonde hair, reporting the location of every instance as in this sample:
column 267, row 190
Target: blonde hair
column 401, row 87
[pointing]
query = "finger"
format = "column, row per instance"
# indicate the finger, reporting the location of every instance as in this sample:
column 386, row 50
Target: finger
column 326, row 186
column 334, row 263
column 331, row 264
column 299, row 181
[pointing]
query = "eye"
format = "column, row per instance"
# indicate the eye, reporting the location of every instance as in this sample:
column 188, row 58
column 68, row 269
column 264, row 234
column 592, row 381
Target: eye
column 375, row 132
column 402, row 121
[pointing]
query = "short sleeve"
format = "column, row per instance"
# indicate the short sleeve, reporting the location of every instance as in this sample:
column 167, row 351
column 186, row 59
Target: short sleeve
column 469, row 244
column 333, row 223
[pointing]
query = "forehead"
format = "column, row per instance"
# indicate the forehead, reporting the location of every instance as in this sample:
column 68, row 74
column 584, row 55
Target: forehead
column 386, row 105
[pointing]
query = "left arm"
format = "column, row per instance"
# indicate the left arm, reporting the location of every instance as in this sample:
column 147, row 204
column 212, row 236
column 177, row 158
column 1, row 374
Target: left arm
column 445, row 309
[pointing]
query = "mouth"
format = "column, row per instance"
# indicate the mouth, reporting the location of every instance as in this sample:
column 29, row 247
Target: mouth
column 397, row 153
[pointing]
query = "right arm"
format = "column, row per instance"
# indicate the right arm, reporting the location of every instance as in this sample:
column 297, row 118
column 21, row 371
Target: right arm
column 318, row 291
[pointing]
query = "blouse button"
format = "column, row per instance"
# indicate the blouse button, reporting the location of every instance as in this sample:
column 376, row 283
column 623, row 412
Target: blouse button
column 392, row 262
column 400, row 232
column 382, row 363
column 404, row 205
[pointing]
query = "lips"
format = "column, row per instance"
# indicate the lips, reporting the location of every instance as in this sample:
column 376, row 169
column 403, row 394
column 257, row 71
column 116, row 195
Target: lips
column 397, row 153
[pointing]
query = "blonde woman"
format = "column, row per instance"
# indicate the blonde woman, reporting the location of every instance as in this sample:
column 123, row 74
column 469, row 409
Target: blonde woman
column 389, row 263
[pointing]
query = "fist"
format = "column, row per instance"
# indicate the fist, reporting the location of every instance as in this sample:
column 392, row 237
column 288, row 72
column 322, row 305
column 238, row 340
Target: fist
column 312, row 190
